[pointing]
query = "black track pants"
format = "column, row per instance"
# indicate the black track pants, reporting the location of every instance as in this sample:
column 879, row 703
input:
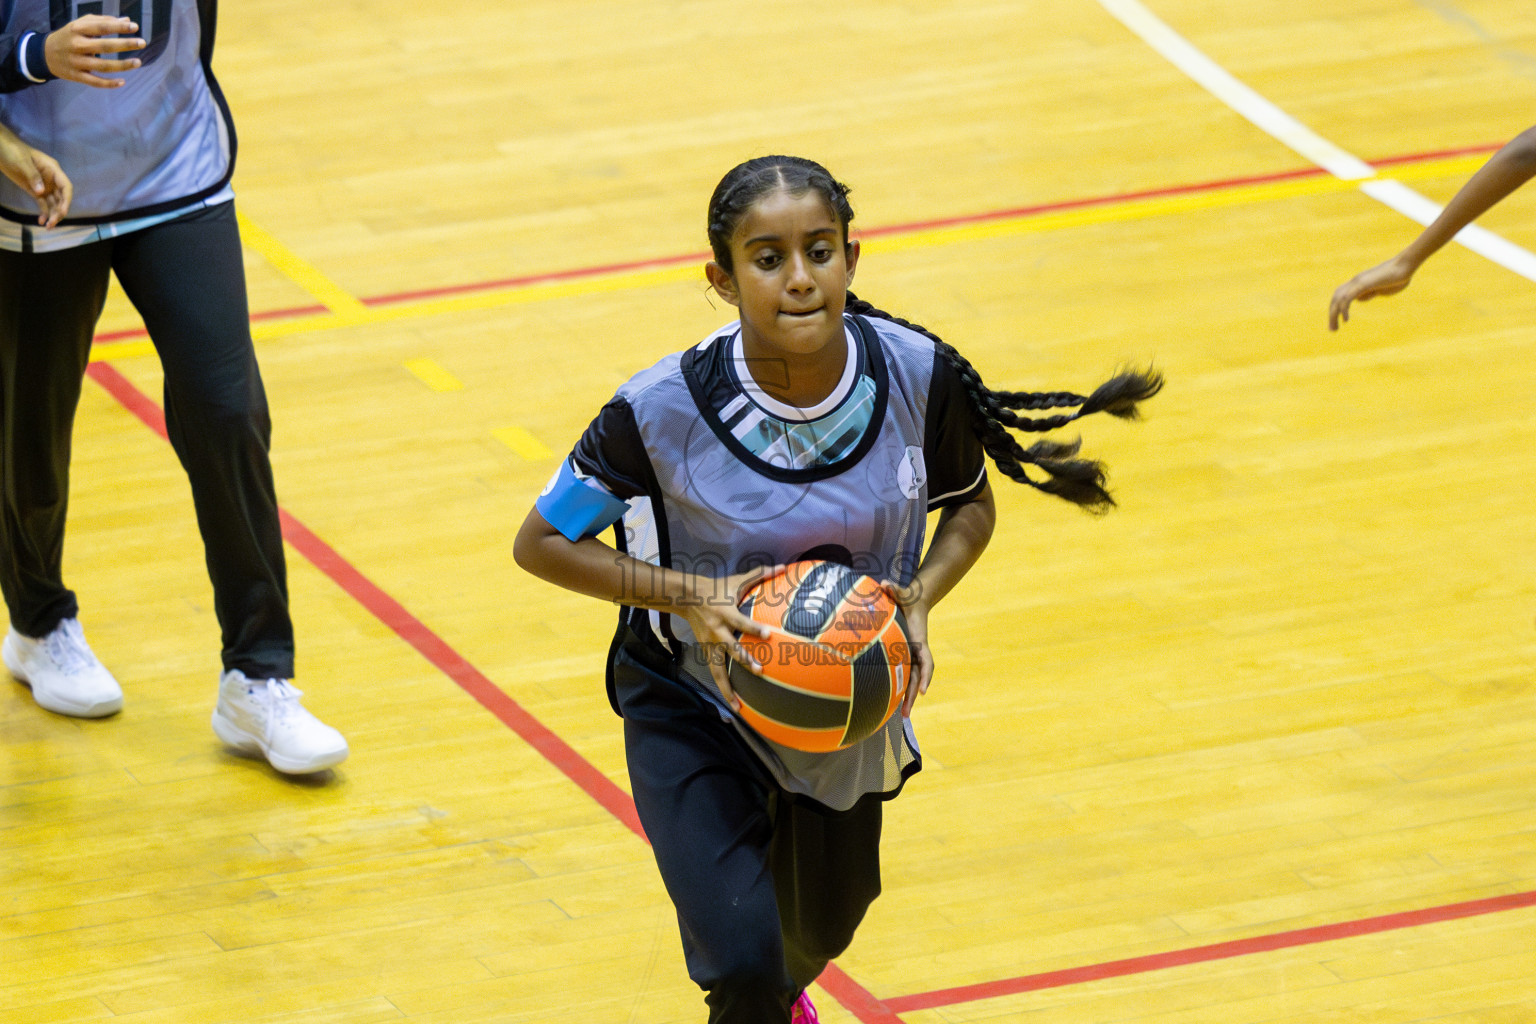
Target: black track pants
column 186, row 279
column 768, row 889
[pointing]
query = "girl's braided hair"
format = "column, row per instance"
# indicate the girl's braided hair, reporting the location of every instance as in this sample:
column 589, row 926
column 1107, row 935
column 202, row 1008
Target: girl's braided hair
column 993, row 415
column 746, row 183
column 1080, row 481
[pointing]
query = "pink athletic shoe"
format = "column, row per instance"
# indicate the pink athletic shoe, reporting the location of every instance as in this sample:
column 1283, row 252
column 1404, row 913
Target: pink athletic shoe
column 803, row 1012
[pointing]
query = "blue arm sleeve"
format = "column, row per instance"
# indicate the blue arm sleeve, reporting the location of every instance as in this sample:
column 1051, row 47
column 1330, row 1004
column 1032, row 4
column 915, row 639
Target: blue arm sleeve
column 578, row 508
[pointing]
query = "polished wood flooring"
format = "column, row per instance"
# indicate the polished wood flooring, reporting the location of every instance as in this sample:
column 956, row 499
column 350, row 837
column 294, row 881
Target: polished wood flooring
column 1260, row 746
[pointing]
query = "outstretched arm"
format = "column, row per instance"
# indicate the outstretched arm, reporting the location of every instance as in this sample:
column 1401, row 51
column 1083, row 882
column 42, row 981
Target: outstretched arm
column 1504, row 172
column 39, row 174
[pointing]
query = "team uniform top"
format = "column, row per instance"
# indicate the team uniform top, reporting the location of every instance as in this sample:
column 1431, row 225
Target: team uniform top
column 699, row 470
column 155, row 148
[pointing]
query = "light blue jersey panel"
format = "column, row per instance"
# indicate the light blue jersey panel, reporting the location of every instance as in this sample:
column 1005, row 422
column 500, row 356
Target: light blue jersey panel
column 161, row 140
column 725, row 509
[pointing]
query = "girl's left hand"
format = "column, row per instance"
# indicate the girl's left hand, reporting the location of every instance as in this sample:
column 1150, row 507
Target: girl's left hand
column 39, row 174
column 51, row 189
column 914, row 607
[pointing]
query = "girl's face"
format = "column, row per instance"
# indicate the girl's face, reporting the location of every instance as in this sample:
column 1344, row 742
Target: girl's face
column 790, row 276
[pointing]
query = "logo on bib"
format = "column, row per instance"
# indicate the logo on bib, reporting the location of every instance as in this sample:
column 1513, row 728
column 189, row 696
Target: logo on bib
column 911, row 473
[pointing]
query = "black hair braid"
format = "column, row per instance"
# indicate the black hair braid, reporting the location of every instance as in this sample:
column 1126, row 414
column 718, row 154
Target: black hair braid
column 1080, row 481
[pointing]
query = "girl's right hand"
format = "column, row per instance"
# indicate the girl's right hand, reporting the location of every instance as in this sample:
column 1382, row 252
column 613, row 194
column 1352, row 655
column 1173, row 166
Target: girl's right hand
column 714, row 615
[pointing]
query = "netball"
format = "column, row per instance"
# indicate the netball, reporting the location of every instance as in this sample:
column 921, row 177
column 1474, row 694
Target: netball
column 836, row 664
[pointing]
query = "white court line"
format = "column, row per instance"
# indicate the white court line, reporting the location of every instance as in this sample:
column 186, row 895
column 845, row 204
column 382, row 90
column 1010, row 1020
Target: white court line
column 1480, row 240
column 1284, row 128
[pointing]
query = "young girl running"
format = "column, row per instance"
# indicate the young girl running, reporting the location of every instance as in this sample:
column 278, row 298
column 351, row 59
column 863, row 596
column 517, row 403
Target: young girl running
column 814, row 427
column 1505, row 171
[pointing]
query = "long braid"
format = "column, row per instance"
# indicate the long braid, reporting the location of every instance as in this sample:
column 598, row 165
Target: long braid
column 1080, row 481
column 993, row 413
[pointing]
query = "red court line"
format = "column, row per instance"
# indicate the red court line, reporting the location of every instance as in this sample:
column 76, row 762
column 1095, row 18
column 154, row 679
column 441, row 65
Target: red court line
column 452, row 664
column 1087, row 202
column 411, row 629
column 271, row 314
column 579, row 273
column 855, row 998
column 552, row 277
column 923, row 225
column 1439, row 154
column 1206, row 954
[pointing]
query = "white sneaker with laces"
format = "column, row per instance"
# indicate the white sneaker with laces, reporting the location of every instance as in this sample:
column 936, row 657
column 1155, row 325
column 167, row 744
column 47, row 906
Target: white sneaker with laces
column 264, row 716
column 63, row 672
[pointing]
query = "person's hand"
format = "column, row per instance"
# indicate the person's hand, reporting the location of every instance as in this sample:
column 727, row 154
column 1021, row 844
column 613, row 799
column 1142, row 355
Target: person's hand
column 1387, row 278
column 914, row 608
column 713, row 614
column 74, row 51
column 39, row 174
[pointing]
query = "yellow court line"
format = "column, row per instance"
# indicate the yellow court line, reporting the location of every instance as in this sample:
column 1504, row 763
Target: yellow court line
column 523, row 442
column 627, row 281
column 1441, row 167
column 104, row 352
column 1118, row 213
column 308, row 277
column 349, row 312
column 1128, row 210
column 478, row 301
column 363, row 315
column 433, row 375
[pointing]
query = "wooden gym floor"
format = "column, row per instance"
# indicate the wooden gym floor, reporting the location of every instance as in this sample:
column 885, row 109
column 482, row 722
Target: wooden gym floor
column 1258, row 747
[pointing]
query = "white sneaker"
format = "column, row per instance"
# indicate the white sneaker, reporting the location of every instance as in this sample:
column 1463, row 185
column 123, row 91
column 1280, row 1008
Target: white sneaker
column 64, row 674
column 264, row 716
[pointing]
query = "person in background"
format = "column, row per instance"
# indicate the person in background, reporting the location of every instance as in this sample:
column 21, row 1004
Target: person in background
column 149, row 145
column 1508, row 169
